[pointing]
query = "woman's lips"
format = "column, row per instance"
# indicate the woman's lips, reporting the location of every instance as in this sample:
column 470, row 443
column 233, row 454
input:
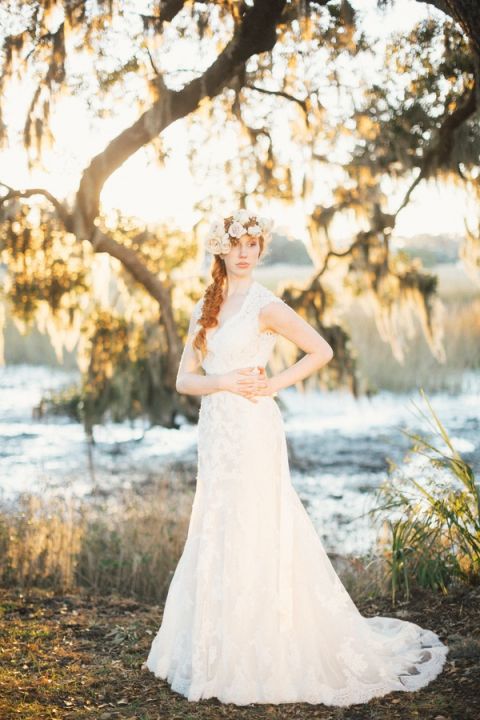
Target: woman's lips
column 242, row 264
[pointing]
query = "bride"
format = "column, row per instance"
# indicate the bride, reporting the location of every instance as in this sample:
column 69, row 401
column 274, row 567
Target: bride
column 255, row 612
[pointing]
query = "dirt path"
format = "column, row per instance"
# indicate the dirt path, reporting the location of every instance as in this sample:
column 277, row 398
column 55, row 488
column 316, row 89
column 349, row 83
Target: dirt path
column 80, row 657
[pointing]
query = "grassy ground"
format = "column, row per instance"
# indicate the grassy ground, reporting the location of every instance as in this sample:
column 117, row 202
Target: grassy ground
column 78, row 657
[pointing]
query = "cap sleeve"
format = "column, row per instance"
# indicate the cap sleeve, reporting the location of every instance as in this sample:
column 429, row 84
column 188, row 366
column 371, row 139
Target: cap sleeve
column 262, row 297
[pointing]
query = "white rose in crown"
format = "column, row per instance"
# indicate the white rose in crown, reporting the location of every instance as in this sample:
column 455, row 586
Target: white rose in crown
column 236, row 229
column 242, row 216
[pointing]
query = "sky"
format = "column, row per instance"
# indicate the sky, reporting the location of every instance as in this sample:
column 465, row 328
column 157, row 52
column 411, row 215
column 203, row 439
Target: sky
column 141, row 189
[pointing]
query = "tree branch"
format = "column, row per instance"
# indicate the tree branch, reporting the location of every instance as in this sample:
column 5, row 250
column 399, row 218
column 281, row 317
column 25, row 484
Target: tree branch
column 338, row 254
column 280, row 93
column 60, row 208
column 255, row 34
column 169, row 9
column 440, row 151
column 130, row 259
column 439, row 4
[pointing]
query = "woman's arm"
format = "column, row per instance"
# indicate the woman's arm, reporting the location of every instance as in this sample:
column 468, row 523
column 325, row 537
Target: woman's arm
column 281, row 318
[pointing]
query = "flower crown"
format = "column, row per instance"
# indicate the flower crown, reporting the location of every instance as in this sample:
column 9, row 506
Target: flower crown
column 241, row 223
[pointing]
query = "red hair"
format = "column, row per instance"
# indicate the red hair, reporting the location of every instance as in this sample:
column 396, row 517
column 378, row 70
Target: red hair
column 213, row 296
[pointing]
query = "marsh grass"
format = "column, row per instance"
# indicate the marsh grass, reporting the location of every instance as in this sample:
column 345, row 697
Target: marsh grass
column 379, row 370
column 130, row 546
column 38, row 543
column 430, row 508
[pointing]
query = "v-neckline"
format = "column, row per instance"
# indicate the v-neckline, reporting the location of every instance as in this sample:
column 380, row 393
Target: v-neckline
column 213, row 331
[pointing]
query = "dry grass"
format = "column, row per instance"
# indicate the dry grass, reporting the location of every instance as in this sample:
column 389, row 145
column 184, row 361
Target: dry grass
column 381, row 371
column 130, row 545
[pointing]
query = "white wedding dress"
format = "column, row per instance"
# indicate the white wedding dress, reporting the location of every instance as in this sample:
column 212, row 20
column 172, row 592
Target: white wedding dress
column 255, row 612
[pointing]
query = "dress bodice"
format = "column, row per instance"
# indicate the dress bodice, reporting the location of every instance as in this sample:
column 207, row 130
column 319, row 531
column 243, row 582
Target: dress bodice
column 238, row 342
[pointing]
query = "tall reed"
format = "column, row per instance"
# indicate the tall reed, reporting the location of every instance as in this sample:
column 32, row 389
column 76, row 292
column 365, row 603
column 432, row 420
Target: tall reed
column 430, row 510
column 128, row 546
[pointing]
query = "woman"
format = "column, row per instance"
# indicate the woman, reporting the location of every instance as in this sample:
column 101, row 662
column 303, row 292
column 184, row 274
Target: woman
column 255, row 611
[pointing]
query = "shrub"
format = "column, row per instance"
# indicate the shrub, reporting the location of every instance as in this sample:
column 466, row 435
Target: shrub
column 430, row 507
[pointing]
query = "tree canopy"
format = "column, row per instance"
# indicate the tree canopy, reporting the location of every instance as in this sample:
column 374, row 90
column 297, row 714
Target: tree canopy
column 287, row 84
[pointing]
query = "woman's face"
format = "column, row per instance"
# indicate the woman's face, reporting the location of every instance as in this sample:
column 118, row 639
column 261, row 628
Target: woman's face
column 243, row 256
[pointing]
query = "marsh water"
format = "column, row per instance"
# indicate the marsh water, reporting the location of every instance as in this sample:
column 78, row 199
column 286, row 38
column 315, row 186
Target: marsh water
column 339, row 449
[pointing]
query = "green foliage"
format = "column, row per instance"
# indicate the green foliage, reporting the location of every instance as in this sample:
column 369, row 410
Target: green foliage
column 427, row 75
column 291, row 130
column 65, row 401
column 162, row 247
column 123, row 377
column 46, row 266
column 431, row 508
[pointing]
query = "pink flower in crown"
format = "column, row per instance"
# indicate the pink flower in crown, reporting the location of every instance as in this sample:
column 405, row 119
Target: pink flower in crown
column 214, row 245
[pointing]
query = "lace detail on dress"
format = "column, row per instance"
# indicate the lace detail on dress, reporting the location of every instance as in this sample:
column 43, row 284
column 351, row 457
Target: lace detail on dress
column 260, row 297
column 255, row 611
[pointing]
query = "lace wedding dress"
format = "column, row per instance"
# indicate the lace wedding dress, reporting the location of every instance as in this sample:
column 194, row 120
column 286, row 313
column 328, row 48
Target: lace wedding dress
column 255, row 612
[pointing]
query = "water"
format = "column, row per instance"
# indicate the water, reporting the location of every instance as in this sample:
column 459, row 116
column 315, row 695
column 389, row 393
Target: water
column 338, row 448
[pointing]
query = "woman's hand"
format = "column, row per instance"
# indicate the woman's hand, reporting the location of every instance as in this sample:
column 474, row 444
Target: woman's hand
column 266, row 387
column 248, row 382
